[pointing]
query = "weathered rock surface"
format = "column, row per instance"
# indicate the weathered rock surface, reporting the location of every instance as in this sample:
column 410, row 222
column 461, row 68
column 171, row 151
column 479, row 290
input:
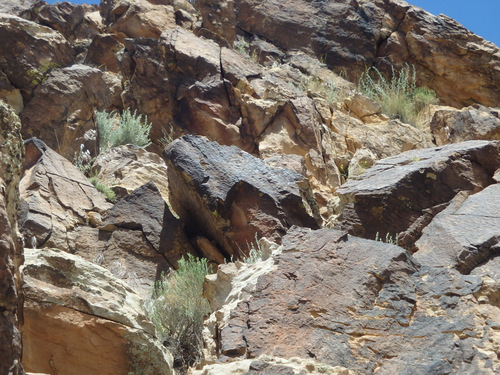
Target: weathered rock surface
column 147, row 85
column 206, row 103
column 138, row 19
column 363, row 305
column 78, row 318
column 127, row 167
column 74, row 21
column 229, row 196
column 127, row 241
column 465, row 234
column 352, row 35
column 268, row 365
column 11, row 157
column 404, row 192
column 449, row 125
column 16, row 7
column 29, row 52
column 67, row 122
column 56, row 196
column 218, row 18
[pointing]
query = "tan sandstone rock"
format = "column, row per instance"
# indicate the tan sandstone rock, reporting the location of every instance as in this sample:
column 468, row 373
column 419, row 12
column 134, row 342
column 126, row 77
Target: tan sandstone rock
column 56, row 196
column 78, row 318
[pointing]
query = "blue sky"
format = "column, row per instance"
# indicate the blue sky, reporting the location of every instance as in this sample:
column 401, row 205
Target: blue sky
column 479, row 16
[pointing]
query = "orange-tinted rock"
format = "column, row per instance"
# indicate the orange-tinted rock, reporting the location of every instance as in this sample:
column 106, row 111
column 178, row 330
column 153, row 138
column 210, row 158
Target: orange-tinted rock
column 78, row 318
column 66, row 123
column 52, row 188
column 30, row 52
column 218, row 17
column 138, row 19
column 449, row 125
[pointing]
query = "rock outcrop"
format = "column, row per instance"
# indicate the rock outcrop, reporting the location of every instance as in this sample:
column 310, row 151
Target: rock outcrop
column 30, row 52
column 403, row 193
column 56, row 197
column 449, row 125
column 11, row 157
column 465, row 234
column 255, row 109
column 230, row 196
column 365, row 306
column 68, row 122
column 126, row 168
column 78, row 318
column 351, row 35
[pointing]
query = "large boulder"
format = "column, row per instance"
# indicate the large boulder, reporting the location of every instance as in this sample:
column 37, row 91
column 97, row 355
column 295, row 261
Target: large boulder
column 137, row 19
column 205, row 99
column 30, row 51
column 56, row 197
column 126, row 241
column 69, row 97
column 404, row 192
column 74, row 21
column 450, row 125
column 352, row 35
column 363, row 305
column 11, row 157
column 78, row 318
column 465, row 234
column 128, row 167
column 230, row 197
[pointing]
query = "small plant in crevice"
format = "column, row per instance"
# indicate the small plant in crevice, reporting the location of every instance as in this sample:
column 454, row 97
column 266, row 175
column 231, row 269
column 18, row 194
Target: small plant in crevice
column 168, row 136
column 103, row 188
column 127, row 128
column 254, row 252
column 399, row 97
column 40, row 75
column 177, row 308
column 83, row 160
column 388, row 238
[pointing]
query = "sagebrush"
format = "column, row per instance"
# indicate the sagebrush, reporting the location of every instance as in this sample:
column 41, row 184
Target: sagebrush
column 177, row 309
column 400, row 97
column 127, row 128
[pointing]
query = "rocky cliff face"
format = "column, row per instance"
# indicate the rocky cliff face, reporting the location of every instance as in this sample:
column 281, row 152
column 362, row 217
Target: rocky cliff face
column 259, row 136
column 11, row 158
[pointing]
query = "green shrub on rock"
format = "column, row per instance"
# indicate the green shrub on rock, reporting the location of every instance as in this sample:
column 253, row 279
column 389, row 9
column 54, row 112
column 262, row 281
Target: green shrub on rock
column 127, row 128
column 400, row 97
column 177, row 309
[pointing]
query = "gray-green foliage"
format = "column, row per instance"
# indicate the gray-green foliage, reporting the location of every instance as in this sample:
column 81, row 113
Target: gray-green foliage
column 254, row 252
column 104, row 189
column 399, row 97
column 177, row 309
column 127, row 128
column 388, row 239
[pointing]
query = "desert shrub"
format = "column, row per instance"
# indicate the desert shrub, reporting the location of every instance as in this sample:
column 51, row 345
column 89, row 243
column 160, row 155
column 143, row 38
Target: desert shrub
column 254, row 252
column 400, row 97
column 127, row 128
column 104, row 189
column 177, row 309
